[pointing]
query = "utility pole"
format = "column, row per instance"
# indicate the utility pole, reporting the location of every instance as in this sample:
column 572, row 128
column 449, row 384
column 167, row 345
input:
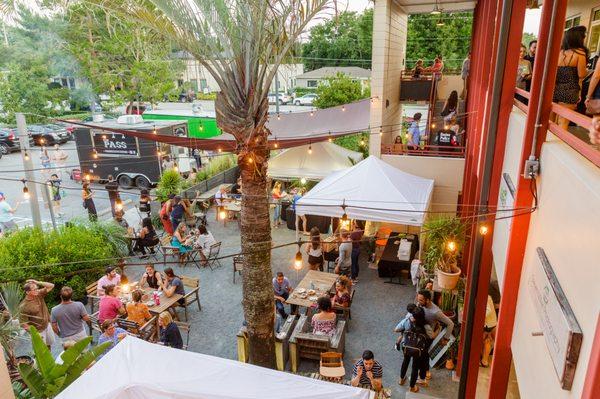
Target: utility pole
column 28, row 166
column 48, row 201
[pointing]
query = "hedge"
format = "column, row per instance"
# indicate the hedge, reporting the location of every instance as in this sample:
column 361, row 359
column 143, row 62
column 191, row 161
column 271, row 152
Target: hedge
column 74, row 255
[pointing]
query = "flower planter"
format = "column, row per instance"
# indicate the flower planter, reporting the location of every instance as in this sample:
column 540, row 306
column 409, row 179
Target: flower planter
column 448, row 281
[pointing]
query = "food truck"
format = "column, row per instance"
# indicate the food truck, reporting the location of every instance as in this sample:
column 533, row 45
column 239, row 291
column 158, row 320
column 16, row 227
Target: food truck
column 134, row 162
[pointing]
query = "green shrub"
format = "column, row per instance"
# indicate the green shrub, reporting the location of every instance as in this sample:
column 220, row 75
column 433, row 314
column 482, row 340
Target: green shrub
column 170, row 183
column 32, row 253
column 353, row 143
column 215, row 166
column 207, row 96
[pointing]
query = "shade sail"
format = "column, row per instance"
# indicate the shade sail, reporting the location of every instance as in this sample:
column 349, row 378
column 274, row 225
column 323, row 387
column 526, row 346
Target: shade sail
column 287, row 129
column 323, row 159
column 136, row 369
column 371, row 190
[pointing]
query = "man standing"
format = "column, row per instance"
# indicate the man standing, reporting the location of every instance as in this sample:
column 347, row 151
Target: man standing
column 367, row 372
column 344, row 260
column 113, row 193
column 414, row 132
column 281, row 289
column 196, row 153
column 68, row 317
column 531, row 58
column 434, row 315
column 58, row 159
column 6, row 214
column 34, row 311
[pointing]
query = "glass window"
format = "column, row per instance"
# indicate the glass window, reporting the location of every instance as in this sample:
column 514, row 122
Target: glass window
column 594, row 38
column 596, row 15
column 312, row 83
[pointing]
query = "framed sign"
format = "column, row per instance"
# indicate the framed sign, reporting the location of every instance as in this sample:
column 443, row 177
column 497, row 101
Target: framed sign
column 114, row 145
column 560, row 328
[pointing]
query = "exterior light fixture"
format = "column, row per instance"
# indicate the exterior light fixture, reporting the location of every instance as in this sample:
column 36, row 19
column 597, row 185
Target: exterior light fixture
column 312, row 113
column 219, row 150
column 436, row 9
column 483, row 230
column 88, row 177
column 440, row 22
column 118, row 205
column 362, row 142
column 433, row 125
column 380, row 132
column 159, row 153
column 104, row 136
column 343, row 108
column 451, row 246
column 154, row 131
column 278, row 117
column 276, row 145
column 175, row 168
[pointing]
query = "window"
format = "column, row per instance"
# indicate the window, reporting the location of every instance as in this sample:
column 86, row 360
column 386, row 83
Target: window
column 311, row 83
column 572, row 21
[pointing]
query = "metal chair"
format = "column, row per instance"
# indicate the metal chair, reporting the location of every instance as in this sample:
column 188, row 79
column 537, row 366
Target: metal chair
column 238, row 266
column 212, row 260
column 184, row 328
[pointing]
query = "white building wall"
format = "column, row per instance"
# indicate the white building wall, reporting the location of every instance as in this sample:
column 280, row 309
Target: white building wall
column 566, row 227
column 390, row 25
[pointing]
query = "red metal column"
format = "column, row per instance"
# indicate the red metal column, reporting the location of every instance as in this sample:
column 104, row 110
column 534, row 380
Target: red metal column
column 549, row 40
column 591, row 388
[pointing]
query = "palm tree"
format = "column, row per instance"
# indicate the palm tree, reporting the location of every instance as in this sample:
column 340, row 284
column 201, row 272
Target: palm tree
column 241, row 43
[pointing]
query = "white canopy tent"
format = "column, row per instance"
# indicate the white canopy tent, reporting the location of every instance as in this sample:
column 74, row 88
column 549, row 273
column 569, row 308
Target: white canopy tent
column 371, row 190
column 324, row 158
column 137, row 369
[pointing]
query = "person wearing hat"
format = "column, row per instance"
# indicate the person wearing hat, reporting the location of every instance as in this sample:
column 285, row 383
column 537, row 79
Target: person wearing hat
column 6, row 214
column 111, row 277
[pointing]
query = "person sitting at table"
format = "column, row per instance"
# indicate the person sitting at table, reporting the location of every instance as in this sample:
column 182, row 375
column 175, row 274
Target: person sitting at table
column 136, row 310
column 203, row 241
column 110, row 277
column 179, row 241
column 120, row 220
column 342, row 292
column 282, row 289
column 367, row 372
column 110, row 333
column 236, row 189
column 152, row 277
column 314, row 250
column 173, row 285
column 148, row 237
column 110, row 305
column 344, row 261
column 145, row 202
column 324, row 322
column 169, row 332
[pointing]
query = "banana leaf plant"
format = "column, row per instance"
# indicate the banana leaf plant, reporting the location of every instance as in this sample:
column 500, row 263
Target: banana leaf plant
column 11, row 295
column 49, row 378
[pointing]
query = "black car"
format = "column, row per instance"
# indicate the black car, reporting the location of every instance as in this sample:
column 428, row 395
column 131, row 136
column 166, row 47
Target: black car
column 48, row 134
column 9, row 140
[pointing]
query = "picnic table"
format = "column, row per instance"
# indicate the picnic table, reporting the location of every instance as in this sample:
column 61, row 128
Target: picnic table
column 322, row 283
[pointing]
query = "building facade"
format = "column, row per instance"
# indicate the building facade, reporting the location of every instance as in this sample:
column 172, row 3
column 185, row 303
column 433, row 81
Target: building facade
column 312, row 79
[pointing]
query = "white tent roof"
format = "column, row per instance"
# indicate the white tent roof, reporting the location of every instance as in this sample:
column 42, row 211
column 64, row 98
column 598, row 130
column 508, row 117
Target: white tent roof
column 398, row 196
column 137, row 369
column 325, row 158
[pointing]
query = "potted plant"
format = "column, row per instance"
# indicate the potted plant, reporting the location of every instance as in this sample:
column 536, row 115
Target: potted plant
column 445, row 238
column 448, row 303
column 11, row 295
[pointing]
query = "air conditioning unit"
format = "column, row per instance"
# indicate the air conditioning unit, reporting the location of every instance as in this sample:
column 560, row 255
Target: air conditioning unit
column 130, row 119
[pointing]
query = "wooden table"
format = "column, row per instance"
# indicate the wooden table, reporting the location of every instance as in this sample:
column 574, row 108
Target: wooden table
column 323, row 285
column 165, row 304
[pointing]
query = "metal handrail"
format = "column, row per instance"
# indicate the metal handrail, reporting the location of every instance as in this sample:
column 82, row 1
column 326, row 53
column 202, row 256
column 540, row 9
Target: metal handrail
column 426, row 150
column 582, row 147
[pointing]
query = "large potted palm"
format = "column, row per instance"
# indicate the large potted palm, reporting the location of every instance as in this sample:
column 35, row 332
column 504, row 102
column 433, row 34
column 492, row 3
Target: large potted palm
column 445, row 238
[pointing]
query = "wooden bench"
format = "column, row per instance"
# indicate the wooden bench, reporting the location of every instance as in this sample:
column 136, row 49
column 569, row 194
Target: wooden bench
column 281, row 343
column 304, row 344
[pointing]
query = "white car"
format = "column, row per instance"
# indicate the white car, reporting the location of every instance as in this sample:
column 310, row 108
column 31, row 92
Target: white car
column 306, row 99
column 283, row 98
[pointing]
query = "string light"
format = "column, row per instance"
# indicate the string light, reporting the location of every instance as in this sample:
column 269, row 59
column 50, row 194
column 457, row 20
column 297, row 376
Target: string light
column 278, row 117
column 159, row 153
column 362, row 141
column 118, row 205
column 42, row 140
column 276, row 145
column 309, row 149
column 343, row 108
column 26, row 194
column 483, row 230
column 95, row 154
column 87, row 177
column 451, row 246
column 433, row 125
column 312, row 113
column 250, row 160
column 298, row 258
column 222, row 213
column 303, row 181
column 440, row 22
column 104, row 136
column 175, row 168
column 26, row 156
column 154, row 131
column 380, row 132
column 219, row 149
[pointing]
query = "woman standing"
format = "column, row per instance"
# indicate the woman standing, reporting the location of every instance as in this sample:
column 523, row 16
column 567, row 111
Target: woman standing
column 88, row 201
column 524, row 73
column 276, row 195
column 450, row 106
column 169, row 332
column 314, row 250
column 415, row 342
column 356, row 237
column 177, row 211
column 148, row 237
column 164, row 215
column 571, row 71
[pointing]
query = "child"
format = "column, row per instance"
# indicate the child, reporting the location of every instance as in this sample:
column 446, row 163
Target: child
column 405, row 324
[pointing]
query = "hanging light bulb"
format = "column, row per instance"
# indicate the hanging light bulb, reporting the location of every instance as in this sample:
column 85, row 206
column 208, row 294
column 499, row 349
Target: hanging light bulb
column 362, row 141
column 303, row 181
column 451, row 246
column 87, row 177
column 201, row 128
column 276, row 145
column 380, row 132
column 118, row 205
column 159, row 153
column 154, row 131
column 343, row 108
column 433, row 125
column 278, row 117
column 436, row 9
column 309, row 149
column 175, row 168
column 222, row 213
column 42, row 141
column 298, row 258
column 440, row 22
column 483, row 230
column 95, row 154
column 104, row 137
column 25, row 190
column 250, row 159
column 26, row 156
column 312, row 113
column 219, row 150
column 344, row 218
column 330, row 139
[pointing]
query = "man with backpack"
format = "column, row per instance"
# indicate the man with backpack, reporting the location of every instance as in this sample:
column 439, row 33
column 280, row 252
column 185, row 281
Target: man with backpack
column 416, row 338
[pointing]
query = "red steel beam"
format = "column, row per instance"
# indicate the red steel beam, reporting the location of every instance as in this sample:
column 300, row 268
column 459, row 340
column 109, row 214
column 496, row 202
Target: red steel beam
column 490, row 199
column 548, row 40
column 591, row 387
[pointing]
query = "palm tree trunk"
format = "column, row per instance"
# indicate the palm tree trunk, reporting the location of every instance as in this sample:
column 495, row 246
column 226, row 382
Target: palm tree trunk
column 258, row 300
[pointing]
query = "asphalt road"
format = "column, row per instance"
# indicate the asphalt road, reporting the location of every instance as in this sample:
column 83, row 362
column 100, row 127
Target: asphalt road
column 11, row 166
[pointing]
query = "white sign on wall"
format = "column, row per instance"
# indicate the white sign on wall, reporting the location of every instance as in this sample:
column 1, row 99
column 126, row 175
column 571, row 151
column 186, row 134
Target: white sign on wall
column 560, row 328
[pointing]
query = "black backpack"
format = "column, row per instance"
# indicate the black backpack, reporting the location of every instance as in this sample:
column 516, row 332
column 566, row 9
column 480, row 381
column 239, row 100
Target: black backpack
column 414, row 342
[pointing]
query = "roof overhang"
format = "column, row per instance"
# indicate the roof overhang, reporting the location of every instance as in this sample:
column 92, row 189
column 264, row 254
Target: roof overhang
column 426, row 6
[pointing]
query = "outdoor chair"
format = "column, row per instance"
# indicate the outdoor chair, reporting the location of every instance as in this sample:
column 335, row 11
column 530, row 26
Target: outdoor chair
column 381, row 240
column 281, row 343
column 346, row 312
column 94, row 323
column 212, row 260
column 167, row 249
column 305, row 344
column 332, row 366
column 184, row 328
column 145, row 331
column 91, row 291
column 238, row 266
column 192, row 285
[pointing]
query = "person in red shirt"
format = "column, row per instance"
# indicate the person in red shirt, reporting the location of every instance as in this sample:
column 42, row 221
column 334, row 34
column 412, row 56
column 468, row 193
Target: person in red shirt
column 165, row 216
column 110, row 305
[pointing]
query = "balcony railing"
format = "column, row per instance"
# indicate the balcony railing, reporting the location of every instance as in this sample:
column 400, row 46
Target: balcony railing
column 584, row 148
column 424, row 151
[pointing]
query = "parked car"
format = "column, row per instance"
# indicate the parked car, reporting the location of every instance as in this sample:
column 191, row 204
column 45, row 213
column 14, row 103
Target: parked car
column 9, row 140
column 306, row 99
column 64, row 125
column 283, row 98
column 48, row 135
